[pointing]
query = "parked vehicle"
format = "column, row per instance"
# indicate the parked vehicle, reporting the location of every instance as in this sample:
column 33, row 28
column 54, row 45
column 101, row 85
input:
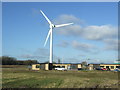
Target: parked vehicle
column 104, row 69
column 98, row 68
column 116, row 70
column 80, row 69
column 58, row 68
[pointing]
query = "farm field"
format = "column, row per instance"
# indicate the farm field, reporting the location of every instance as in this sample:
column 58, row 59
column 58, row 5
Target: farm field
column 22, row 77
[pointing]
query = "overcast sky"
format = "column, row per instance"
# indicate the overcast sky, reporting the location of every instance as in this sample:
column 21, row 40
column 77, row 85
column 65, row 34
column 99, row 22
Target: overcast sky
column 92, row 37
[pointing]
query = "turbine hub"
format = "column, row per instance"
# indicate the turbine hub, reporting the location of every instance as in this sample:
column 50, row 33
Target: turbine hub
column 52, row 26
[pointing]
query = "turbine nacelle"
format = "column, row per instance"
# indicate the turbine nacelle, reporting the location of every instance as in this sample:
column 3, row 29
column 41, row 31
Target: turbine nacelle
column 52, row 26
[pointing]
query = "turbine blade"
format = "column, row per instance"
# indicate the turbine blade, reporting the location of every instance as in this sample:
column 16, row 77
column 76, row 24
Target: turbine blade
column 61, row 25
column 46, row 17
column 47, row 37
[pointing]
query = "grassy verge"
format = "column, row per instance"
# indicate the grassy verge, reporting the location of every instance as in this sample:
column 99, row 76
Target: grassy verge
column 24, row 78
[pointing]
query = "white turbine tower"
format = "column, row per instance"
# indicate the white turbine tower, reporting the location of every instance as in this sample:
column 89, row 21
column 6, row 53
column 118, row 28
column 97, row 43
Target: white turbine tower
column 50, row 34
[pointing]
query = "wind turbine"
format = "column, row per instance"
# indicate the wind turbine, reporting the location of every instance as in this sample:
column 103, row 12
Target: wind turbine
column 52, row 26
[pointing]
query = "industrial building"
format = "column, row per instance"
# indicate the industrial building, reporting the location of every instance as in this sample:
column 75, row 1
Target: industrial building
column 110, row 66
column 48, row 66
column 70, row 66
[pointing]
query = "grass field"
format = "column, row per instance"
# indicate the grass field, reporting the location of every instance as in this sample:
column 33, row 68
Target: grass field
column 21, row 77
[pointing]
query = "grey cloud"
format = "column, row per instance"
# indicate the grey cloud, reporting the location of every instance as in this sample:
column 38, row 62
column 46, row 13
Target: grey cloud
column 82, row 46
column 73, row 30
column 81, row 55
column 29, row 56
column 85, row 47
column 106, row 34
column 111, row 44
column 63, row 44
column 91, row 32
column 64, row 18
column 39, row 53
column 99, row 32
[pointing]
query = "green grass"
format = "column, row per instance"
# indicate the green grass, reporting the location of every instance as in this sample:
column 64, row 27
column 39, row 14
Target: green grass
column 24, row 78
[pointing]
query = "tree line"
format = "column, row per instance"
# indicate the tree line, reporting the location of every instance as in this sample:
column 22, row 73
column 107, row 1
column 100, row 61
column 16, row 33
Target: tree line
column 6, row 60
